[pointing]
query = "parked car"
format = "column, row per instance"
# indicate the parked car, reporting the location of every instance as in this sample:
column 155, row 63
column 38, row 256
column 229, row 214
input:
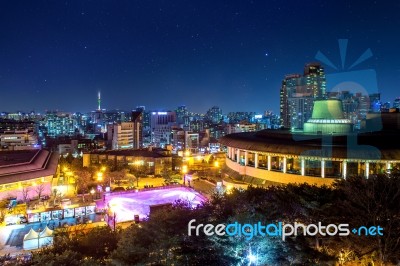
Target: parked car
column 15, row 219
column 45, row 197
column 23, row 220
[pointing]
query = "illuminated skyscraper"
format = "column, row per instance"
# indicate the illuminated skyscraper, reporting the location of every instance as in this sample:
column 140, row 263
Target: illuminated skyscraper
column 214, row 115
column 298, row 93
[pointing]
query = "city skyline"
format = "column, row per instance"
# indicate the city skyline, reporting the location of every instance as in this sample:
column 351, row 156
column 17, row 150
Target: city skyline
column 162, row 55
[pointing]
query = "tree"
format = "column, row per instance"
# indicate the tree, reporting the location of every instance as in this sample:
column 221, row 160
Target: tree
column 166, row 173
column 77, row 164
column 372, row 202
column 56, row 196
column 117, row 176
column 78, row 248
column 3, row 209
column 82, row 179
column 66, row 258
column 25, row 193
column 39, row 189
column 131, row 179
column 163, row 240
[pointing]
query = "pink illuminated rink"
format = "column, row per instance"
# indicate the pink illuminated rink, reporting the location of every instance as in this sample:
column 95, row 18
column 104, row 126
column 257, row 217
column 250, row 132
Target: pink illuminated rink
column 128, row 204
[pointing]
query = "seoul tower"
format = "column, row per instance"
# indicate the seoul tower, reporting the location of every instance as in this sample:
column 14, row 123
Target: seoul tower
column 98, row 101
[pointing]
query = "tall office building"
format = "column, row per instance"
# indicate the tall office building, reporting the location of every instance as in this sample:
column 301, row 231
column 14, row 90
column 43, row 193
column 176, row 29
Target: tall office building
column 137, row 120
column 146, row 129
column 161, row 127
column 298, row 93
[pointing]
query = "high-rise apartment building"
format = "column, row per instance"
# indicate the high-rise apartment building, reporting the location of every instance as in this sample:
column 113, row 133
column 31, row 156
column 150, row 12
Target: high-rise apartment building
column 298, row 93
column 214, row 115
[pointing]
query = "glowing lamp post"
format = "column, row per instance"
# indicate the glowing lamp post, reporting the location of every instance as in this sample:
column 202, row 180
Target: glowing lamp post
column 216, row 165
column 184, row 172
column 92, row 192
column 137, row 163
column 114, row 215
column 99, row 176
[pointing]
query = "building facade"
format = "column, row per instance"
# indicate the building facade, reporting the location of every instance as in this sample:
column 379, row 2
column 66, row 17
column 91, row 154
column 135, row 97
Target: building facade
column 120, row 136
column 153, row 161
column 18, row 140
column 137, row 120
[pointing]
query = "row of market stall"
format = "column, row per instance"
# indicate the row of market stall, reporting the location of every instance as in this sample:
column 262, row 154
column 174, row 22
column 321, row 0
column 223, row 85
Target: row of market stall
column 58, row 214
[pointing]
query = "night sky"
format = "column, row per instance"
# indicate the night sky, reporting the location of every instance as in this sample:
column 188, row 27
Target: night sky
column 161, row 54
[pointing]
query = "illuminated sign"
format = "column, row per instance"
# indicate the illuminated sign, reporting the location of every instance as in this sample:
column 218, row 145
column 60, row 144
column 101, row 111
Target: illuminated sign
column 161, row 113
column 258, row 116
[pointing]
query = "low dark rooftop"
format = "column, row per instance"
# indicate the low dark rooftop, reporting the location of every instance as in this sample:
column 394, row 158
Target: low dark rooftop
column 16, row 157
column 135, row 152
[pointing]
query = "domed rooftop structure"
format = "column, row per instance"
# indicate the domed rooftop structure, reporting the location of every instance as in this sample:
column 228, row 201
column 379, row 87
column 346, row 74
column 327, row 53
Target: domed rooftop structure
column 327, row 118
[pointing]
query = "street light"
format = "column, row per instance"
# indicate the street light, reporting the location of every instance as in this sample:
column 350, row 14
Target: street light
column 184, row 172
column 92, row 192
column 112, row 208
column 137, row 163
column 99, row 176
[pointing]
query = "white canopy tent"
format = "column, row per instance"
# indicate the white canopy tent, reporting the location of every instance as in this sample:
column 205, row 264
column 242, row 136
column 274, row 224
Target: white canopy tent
column 31, row 240
column 46, row 237
column 35, row 240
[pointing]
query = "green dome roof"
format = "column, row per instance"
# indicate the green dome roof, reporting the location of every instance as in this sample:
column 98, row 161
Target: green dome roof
column 327, row 109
